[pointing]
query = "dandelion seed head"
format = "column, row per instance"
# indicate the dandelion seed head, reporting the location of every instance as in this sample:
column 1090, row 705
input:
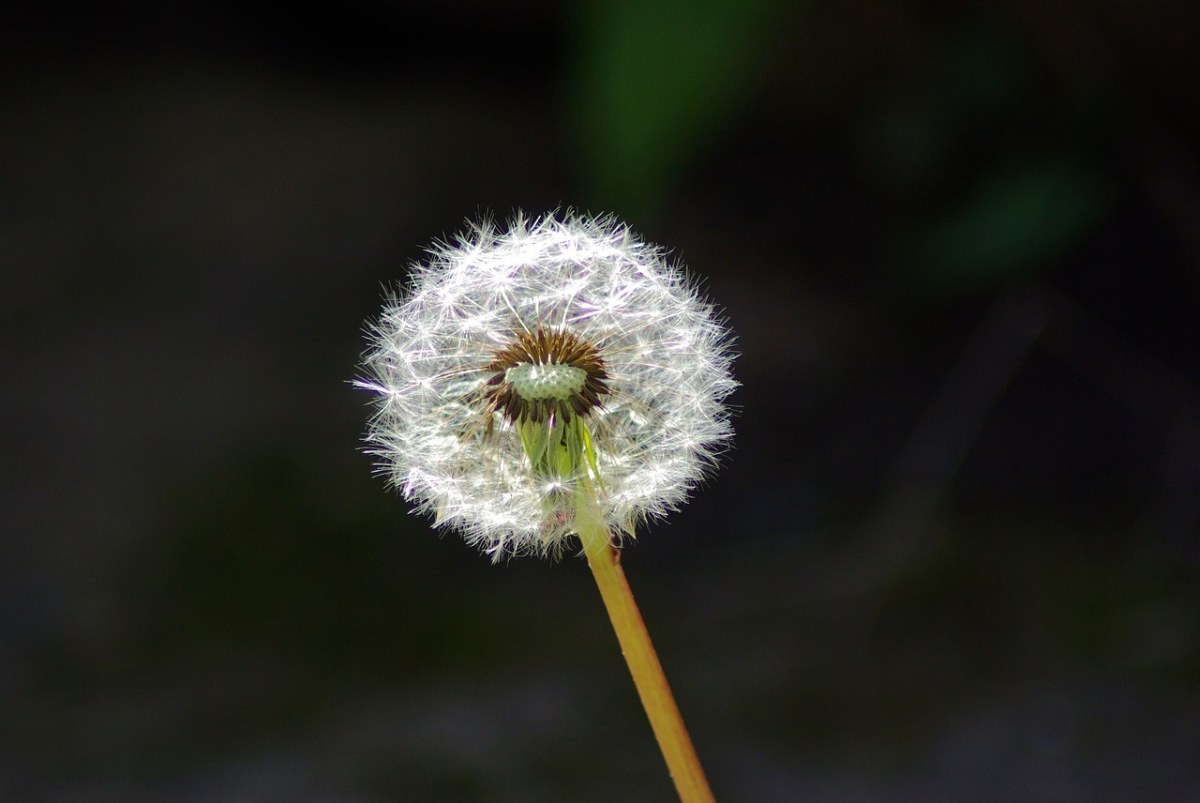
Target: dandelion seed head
column 517, row 364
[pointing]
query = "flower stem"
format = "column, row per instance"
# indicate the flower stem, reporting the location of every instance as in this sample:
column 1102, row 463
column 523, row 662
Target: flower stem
column 648, row 677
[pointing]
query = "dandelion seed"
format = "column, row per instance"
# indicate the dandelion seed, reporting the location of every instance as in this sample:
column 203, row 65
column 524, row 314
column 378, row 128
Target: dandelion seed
column 520, row 366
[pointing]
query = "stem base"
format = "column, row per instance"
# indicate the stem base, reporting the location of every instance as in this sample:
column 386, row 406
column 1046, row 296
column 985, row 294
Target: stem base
column 648, row 676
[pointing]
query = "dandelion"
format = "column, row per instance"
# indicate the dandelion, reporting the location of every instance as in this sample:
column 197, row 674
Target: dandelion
column 561, row 379
column 521, row 365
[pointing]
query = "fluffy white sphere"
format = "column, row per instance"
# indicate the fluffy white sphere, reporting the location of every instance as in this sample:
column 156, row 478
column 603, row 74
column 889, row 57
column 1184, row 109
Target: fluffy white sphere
column 656, row 431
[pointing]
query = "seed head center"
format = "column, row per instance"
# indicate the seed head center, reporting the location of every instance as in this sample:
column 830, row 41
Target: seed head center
column 545, row 375
column 554, row 381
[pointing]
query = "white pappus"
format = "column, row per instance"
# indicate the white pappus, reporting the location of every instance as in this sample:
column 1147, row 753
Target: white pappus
column 520, row 368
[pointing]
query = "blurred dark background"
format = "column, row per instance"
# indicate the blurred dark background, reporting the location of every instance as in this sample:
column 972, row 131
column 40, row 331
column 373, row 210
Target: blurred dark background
column 953, row 556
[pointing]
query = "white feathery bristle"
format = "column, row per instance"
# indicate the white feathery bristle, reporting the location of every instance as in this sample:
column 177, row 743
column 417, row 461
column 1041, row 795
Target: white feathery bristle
column 666, row 352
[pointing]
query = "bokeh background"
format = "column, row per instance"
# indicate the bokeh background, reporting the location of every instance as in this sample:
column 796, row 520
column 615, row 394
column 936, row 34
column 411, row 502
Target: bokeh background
column 953, row 556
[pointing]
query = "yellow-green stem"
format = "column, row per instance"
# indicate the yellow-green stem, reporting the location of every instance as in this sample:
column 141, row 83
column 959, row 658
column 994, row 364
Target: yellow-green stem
column 648, row 677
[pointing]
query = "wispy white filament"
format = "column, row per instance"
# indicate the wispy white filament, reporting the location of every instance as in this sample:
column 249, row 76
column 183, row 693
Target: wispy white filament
column 665, row 351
